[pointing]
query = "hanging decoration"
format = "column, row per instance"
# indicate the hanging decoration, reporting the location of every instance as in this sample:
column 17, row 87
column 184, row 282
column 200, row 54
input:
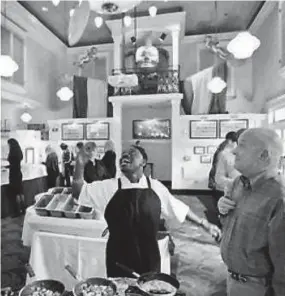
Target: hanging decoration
column 26, row 117
column 98, row 20
column 152, row 11
column 243, row 45
column 65, row 93
column 216, row 85
column 55, row 2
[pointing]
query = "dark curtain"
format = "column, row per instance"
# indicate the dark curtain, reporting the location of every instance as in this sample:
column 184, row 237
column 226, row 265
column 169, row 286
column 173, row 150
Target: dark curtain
column 80, row 98
column 218, row 101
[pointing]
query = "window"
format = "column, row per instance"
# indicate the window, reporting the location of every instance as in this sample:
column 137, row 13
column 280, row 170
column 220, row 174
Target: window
column 280, row 114
column 13, row 45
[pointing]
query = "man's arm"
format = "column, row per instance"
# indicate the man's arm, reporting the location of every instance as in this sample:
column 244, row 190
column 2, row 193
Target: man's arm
column 277, row 248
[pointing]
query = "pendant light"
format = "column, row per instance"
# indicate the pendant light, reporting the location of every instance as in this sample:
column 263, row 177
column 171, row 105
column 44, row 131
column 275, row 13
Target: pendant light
column 7, row 65
column 217, row 84
column 65, row 94
column 127, row 21
column 152, row 11
column 98, row 20
column 26, row 116
column 243, row 45
column 55, row 2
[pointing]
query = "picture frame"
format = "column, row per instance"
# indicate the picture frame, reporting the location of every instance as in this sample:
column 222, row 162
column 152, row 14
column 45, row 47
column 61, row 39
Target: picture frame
column 153, row 129
column 72, row 131
column 199, row 150
column 97, row 131
column 206, row 159
column 203, row 129
column 211, row 149
column 229, row 125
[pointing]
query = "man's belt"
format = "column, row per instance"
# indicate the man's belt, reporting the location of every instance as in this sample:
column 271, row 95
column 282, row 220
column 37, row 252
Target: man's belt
column 266, row 281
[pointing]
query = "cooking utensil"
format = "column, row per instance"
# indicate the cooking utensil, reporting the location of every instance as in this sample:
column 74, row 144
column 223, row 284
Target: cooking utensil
column 77, row 289
column 151, row 276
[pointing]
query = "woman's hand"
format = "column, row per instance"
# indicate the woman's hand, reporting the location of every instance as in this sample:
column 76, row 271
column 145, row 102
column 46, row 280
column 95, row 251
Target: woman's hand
column 212, row 229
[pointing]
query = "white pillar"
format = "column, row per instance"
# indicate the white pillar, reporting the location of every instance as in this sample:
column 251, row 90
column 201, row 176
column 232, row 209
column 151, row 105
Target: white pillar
column 175, row 32
column 117, row 131
column 117, row 53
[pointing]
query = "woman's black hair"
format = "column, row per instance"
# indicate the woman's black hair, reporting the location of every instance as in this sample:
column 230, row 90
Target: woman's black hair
column 15, row 150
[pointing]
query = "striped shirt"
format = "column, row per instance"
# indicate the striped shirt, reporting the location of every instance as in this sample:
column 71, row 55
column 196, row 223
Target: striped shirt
column 253, row 240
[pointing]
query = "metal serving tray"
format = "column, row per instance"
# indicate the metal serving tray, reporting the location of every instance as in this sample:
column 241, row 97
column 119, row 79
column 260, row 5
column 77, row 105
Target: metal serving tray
column 70, row 209
column 56, row 190
column 55, row 207
column 86, row 212
column 41, row 205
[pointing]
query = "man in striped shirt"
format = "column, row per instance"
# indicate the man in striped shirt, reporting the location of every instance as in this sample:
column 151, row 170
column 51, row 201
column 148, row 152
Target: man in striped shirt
column 253, row 218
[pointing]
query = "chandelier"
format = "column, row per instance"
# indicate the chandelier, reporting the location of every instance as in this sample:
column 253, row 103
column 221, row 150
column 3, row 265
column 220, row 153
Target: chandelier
column 216, row 85
column 112, row 6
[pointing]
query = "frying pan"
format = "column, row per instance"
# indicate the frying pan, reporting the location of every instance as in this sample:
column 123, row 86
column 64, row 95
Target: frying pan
column 147, row 277
column 77, row 289
column 53, row 285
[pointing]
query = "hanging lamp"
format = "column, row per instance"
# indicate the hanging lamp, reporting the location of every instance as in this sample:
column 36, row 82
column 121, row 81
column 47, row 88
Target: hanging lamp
column 112, row 6
column 7, row 65
column 26, row 116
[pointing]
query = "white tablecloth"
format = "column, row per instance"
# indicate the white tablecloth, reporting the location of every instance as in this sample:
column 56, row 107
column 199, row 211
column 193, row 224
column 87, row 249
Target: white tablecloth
column 57, row 242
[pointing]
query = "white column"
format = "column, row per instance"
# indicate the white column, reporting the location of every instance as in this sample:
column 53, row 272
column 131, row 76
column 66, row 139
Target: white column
column 117, row 131
column 175, row 47
column 117, row 52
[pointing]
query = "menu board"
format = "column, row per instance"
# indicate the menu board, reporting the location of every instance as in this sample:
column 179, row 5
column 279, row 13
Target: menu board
column 97, row 131
column 231, row 126
column 203, row 129
column 72, row 131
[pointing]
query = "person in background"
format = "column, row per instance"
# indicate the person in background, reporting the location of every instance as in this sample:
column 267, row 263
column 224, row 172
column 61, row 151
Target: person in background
column 66, row 164
column 51, row 166
column 133, row 205
column 78, row 147
column 109, row 158
column 94, row 169
column 17, row 200
column 253, row 210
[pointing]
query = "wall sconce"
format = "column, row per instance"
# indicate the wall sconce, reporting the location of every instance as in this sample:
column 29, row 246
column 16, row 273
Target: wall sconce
column 162, row 37
column 134, row 40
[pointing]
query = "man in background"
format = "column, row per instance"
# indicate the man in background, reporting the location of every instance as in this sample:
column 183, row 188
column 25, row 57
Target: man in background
column 253, row 241
column 66, row 164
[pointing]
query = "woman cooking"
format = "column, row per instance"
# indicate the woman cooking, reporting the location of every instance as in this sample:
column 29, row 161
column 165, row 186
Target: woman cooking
column 132, row 205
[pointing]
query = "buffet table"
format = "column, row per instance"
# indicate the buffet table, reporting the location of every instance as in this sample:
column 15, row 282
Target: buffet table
column 34, row 182
column 57, row 242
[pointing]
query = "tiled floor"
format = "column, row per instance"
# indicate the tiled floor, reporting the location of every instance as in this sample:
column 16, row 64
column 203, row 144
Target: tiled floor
column 197, row 262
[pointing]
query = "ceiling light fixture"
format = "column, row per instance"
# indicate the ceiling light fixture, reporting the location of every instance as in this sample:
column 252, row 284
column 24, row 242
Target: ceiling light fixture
column 26, row 117
column 7, row 66
column 216, row 85
column 243, row 45
column 127, row 20
column 65, row 94
column 112, row 6
column 152, row 11
column 162, row 37
column 44, row 9
column 55, row 2
column 98, row 20
column 71, row 12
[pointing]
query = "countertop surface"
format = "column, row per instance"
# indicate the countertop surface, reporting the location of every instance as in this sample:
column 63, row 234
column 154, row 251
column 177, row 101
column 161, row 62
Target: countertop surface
column 29, row 171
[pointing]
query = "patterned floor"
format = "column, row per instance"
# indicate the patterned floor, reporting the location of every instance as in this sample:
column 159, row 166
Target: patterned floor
column 197, row 262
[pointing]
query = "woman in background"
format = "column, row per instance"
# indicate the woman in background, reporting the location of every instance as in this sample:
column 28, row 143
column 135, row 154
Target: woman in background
column 109, row 158
column 51, row 166
column 15, row 156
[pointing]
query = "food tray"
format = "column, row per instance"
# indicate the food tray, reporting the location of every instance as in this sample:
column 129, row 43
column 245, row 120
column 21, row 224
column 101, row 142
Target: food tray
column 67, row 190
column 70, row 209
column 56, row 190
column 85, row 212
column 41, row 205
column 55, row 207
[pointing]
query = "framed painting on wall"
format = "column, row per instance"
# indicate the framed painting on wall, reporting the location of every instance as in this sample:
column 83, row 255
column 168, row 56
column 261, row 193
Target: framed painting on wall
column 203, row 129
column 206, row 159
column 97, row 131
column 199, row 150
column 72, row 131
column 159, row 129
column 229, row 125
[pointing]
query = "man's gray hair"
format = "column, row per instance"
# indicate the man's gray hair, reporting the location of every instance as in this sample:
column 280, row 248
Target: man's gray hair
column 267, row 140
column 90, row 146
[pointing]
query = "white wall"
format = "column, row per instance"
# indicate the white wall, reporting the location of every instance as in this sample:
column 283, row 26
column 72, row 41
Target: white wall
column 267, row 83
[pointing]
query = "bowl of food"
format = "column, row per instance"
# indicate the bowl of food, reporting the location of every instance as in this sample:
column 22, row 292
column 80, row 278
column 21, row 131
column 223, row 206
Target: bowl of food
column 95, row 287
column 43, row 288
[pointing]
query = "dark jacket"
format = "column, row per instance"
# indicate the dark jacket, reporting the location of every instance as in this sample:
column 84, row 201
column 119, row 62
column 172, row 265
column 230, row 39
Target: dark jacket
column 109, row 160
column 52, row 164
column 96, row 172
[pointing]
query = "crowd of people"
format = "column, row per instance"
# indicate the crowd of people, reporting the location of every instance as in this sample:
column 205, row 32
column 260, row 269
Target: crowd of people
column 249, row 194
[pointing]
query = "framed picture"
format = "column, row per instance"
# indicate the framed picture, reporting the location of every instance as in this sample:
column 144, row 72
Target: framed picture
column 203, row 129
column 230, row 125
column 211, row 149
column 159, row 129
column 206, row 159
column 199, row 150
column 72, row 131
column 97, row 131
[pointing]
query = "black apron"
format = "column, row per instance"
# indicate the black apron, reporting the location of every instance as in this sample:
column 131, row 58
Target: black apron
column 133, row 217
